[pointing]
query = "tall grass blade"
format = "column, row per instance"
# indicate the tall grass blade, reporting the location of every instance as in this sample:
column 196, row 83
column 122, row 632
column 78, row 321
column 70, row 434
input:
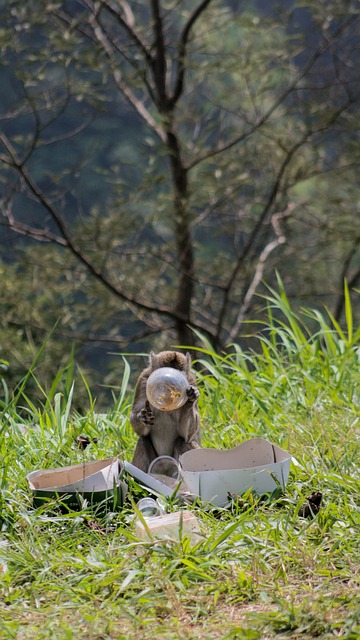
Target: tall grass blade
column 30, row 373
column 348, row 312
column 124, row 385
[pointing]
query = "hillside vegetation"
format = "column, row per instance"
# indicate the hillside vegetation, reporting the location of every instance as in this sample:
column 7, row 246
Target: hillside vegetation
column 160, row 161
column 261, row 569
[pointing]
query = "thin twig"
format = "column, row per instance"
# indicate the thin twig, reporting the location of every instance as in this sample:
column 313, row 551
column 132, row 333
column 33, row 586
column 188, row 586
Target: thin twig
column 260, row 267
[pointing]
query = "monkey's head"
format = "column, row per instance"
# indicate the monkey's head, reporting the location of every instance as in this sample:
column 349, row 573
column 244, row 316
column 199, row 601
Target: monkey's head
column 172, row 359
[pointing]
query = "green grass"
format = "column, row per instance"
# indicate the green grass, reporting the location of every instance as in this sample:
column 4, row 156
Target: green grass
column 260, row 571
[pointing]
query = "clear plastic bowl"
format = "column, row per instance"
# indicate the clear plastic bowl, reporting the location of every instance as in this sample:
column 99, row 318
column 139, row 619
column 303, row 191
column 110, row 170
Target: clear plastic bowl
column 165, row 466
column 166, row 389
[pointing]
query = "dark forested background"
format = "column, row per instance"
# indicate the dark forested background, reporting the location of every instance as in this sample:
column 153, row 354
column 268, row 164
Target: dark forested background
column 159, row 162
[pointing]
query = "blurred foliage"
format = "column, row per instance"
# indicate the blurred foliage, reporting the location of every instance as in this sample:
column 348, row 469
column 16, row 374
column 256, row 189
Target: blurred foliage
column 277, row 89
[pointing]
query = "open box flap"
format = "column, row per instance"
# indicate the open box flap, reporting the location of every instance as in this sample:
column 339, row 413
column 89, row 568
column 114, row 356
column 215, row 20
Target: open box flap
column 215, row 475
column 98, row 475
column 255, row 452
column 148, row 480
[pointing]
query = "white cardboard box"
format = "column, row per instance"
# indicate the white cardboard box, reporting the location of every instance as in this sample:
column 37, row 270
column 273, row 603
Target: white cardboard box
column 94, row 480
column 214, row 475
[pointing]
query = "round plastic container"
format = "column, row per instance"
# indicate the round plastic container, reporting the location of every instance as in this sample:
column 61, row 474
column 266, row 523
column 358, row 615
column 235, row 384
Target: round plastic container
column 165, row 466
column 166, row 389
column 149, row 507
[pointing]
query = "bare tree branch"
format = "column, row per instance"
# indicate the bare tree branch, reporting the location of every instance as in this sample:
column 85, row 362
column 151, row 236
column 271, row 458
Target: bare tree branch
column 149, row 70
column 123, row 87
column 141, row 46
column 66, row 240
column 181, row 56
column 70, row 242
column 260, row 268
column 270, row 202
column 41, row 235
column 159, row 58
column 281, row 98
column 120, row 340
column 254, row 234
column 129, row 26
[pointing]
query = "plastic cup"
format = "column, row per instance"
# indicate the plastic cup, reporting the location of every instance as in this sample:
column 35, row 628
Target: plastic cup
column 149, row 507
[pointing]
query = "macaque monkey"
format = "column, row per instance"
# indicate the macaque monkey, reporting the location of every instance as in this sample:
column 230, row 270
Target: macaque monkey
column 165, row 432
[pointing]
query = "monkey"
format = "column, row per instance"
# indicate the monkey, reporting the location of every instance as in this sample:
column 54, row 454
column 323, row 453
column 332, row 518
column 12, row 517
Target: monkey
column 165, row 433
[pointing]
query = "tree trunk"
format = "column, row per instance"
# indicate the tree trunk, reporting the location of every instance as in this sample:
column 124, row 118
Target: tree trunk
column 183, row 240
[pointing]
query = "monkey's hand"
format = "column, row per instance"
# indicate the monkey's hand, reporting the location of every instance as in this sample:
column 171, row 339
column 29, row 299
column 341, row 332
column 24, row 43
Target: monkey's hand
column 192, row 393
column 147, row 418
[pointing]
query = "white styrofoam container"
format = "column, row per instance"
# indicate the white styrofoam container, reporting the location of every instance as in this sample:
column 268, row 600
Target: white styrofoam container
column 167, row 526
column 213, row 475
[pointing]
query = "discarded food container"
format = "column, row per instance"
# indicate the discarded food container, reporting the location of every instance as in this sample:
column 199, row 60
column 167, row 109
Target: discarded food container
column 93, row 481
column 166, row 469
column 216, row 475
column 166, row 389
column 149, row 507
column 169, row 526
column 157, row 484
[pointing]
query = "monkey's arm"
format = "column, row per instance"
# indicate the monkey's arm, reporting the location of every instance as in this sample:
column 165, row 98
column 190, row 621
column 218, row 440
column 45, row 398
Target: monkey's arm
column 189, row 419
column 141, row 416
column 191, row 436
column 142, row 421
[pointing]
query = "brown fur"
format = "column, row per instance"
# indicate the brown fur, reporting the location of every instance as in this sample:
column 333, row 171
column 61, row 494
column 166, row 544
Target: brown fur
column 164, row 432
